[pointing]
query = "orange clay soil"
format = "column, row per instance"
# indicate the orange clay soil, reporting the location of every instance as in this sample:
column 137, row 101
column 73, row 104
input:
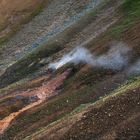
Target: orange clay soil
column 42, row 93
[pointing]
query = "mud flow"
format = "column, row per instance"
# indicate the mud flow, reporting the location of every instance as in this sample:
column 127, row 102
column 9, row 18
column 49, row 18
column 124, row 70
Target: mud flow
column 34, row 98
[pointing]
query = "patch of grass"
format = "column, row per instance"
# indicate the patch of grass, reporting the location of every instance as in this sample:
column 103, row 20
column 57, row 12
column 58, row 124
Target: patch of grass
column 37, row 11
column 131, row 14
column 129, row 85
column 13, row 86
column 3, row 40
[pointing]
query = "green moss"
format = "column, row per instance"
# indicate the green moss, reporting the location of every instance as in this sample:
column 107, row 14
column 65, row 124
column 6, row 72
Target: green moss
column 37, row 11
column 129, row 85
column 131, row 14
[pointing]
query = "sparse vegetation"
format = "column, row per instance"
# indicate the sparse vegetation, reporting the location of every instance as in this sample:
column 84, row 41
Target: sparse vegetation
column 69, row 99
column 118, row 93
column 110, row 98
column 130, row 15
column 55, row 44
column 18, row 25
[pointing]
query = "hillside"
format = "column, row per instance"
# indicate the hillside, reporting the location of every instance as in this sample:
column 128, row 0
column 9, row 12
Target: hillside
column 14, row 16
column 70, row 70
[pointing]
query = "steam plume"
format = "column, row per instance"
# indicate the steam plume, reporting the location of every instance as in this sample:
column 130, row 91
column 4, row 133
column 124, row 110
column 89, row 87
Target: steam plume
column 135, row 68
column 77, row 55
column 116, row 58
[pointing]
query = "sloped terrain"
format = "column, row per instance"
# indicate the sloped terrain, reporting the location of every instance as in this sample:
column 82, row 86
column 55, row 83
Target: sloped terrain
column 72, row 72
column 13, row 16
column 113, row 117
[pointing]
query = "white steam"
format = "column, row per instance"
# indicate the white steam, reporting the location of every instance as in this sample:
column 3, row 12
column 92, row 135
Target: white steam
column 135, row 68
column 116, row 58
column 77, row 55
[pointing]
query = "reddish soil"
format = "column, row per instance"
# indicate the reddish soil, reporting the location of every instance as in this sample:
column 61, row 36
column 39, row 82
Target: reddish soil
column 42, row 93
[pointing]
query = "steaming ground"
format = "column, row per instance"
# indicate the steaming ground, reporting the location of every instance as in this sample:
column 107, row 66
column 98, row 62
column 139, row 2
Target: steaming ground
column 116, row 58
column 98, row 98
column 135, row 68
column 77, row 55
